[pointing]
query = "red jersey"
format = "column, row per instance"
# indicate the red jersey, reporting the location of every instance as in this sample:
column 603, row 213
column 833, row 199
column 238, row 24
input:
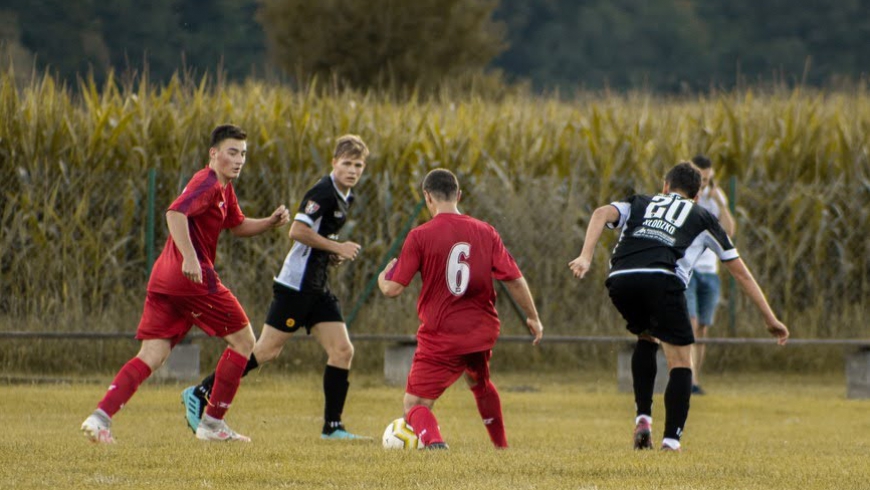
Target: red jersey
column 458, row 257
column 209, row 208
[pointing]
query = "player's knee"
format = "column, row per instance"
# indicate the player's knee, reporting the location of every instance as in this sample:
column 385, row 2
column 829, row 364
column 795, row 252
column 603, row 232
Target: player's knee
column 341, row 353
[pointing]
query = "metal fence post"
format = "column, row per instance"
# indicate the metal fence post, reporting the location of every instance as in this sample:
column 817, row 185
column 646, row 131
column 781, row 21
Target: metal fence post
column 149, row 226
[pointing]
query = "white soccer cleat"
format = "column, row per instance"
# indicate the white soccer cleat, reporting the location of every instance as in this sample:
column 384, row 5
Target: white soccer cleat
column 98, row 429
column 218, row 431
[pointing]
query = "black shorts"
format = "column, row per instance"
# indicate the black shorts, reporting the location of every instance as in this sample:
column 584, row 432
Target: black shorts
column 653, row 304
column 291, row 310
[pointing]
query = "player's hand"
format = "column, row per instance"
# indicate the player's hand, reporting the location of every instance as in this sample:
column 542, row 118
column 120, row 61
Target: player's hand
column 335, row 260
column 192, row 270
column 280, row 217
column 348, row 250
column 579, row 266
column 536, row 329
column 778, row 330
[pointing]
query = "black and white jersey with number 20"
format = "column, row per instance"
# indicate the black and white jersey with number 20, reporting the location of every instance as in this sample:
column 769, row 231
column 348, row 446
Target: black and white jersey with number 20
column 665, row 234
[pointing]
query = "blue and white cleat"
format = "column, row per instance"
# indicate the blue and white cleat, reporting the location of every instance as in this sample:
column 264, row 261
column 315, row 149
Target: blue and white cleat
column 341, row 434
column 194, row 406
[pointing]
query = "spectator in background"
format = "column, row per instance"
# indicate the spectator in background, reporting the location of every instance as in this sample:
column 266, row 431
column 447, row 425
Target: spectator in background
column 703, row 291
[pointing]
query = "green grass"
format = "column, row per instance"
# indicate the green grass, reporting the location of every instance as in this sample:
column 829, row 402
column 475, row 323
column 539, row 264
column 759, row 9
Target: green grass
column 566, row 431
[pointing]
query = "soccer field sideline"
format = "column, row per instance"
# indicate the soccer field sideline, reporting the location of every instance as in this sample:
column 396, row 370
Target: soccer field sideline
column 566, row 431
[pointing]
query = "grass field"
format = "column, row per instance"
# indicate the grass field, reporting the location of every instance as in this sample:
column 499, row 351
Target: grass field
column 567, row 431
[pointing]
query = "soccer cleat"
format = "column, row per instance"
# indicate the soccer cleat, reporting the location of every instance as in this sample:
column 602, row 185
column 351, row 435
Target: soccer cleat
column 218, row 431
column 341, row 434
column 697, row 390
column 194, row 405
column 643, row 435
column 438, row 445
column 667, row 448
column 98, row 430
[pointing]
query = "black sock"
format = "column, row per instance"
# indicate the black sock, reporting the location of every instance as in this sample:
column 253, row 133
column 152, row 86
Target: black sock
column 643, row 373
column 335, row 387
column 205, row 387
column 677, row 396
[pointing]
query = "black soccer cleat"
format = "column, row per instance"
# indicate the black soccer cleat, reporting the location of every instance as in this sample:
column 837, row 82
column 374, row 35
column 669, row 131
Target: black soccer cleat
column 643, row 435
column 438, row 445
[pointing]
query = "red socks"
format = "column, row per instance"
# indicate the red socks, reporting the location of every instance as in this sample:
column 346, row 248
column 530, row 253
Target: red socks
column 489, row 406
column 227, row 378
column 425, row 424
column 124, row 385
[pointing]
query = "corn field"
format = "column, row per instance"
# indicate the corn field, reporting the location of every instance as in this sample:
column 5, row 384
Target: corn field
column 74, row 165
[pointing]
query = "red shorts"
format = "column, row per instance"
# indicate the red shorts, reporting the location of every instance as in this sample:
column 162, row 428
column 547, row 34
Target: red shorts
column 170, row 317
column 431, row 375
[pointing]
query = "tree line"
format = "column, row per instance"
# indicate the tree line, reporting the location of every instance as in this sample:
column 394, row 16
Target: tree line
column 666, row 45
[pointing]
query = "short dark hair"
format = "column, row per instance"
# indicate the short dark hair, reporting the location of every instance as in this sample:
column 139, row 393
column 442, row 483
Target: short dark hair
column 226, row 132
column 702, row 162
column 442, row 184
column 686, row 177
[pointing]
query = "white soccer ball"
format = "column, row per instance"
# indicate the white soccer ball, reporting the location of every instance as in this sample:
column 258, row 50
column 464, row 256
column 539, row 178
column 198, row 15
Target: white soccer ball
column 399, row 435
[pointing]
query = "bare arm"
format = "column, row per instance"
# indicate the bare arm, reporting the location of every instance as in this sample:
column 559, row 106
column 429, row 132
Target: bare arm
column 391, row 289
column 601, row 216
column 255, row 226
column 304, row 234
column 180, row 233
column 744, row 277
column 726, row 219
column 519, row 290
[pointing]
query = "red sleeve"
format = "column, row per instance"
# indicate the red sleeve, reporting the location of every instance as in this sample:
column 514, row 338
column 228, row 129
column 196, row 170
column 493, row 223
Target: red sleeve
column 198, row 195
column 504, row 267
column 234, row 212
column 409, row 262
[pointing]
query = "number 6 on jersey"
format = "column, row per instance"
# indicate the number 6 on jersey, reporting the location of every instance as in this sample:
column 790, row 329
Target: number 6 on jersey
column 458, row 271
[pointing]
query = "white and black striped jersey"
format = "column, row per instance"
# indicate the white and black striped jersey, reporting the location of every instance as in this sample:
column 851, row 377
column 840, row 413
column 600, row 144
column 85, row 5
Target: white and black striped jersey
column 665, row 234
column 324, row 208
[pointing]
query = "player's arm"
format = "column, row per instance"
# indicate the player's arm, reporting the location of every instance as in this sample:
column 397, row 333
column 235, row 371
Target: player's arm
column 180, row 233
column 391, row 289
column 520, row 292
column 747, row 282
column 304, row 234
column 255, row 226
column 600, row 218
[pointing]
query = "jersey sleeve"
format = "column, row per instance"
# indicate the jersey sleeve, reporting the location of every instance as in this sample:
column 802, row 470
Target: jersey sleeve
column 410, row 260
column 624, row 209
column 197, row 195
column 235, row 216
column 504, row 267
column 314, row 205
column 718, row 241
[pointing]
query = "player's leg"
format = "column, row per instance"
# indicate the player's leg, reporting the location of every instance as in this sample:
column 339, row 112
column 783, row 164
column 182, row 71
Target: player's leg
column 418, row 414
column 228, row 377
column 486, row 396
column 673, row 327
column 644, row 368
column 161, row 326
column 152, row 354
column 628, row 294
column 334, row 339
column 677, row 393
column 286, row 312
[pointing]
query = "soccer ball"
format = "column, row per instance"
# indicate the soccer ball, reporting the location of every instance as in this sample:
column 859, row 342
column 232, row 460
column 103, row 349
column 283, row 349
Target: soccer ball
column 399, row 435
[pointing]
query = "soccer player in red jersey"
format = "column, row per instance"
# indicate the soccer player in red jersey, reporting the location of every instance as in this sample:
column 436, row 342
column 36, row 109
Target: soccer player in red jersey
column 185, row 290
column 457, row 257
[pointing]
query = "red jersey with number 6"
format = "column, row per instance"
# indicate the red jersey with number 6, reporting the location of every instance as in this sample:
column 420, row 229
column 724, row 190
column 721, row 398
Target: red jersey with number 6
column 210, row 208
column 458, row 257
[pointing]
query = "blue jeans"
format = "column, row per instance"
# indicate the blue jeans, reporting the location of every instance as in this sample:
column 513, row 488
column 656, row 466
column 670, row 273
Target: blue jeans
column 702, row 297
